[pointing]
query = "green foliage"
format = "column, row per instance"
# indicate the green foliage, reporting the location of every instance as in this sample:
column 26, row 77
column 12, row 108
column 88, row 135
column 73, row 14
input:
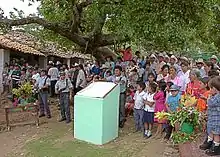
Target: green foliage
column 163, row 25
column 168, row 25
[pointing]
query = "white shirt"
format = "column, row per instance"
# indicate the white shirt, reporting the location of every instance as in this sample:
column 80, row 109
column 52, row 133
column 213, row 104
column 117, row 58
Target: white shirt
column 141, row 72
column 185, row 78
column 36, row 76
column 139, row 99
column 149, row 97
column 53, row 73
column 161, row 77
column 81, row 79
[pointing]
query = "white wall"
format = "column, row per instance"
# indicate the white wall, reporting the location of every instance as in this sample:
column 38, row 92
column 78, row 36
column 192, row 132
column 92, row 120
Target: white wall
column 4, row 57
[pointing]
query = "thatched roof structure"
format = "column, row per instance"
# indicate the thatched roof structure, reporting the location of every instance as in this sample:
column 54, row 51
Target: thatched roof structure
column 16, row 46
column 27, row 43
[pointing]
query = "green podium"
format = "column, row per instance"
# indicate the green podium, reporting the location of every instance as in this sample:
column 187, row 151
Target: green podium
column 96, row 111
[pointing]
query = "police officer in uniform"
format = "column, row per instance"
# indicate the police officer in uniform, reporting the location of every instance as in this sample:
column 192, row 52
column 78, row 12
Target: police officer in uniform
column 64, row 88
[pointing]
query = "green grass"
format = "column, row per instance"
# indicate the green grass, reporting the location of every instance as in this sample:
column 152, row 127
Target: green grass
column 66, row 149
column 52, row 146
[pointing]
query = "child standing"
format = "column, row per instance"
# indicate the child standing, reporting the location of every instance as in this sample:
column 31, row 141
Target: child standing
column 173, row 102
column 213, row 123
column 205, row 92
column 160, row 98
column 149, row 110
column 129, row 105
column 139, row 106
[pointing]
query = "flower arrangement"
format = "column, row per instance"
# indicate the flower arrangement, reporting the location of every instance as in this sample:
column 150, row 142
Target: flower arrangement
column 188, row 100
column 187, row 117
column 24, row 90
column 23, row 94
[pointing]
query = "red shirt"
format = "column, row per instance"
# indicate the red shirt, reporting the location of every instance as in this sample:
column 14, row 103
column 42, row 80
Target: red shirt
column 127, row 55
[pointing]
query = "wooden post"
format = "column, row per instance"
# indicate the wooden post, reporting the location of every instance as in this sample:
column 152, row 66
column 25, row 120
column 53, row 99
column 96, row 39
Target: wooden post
column 7, row 119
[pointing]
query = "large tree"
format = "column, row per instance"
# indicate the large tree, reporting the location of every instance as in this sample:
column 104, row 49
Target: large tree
column 91, row 24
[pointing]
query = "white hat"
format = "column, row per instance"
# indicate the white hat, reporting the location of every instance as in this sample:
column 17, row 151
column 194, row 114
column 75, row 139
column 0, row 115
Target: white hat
column 76, row 64
column 152, row 56
column 214, row 57
column 166, row 56
column 160, row 55
column 104, row 66
column 173, row 57
column 58, row 63
column 50, row 62
column 184, row 58
column 200, row 60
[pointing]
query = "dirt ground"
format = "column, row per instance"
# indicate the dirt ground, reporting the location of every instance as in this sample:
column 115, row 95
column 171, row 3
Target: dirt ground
column 13, row 143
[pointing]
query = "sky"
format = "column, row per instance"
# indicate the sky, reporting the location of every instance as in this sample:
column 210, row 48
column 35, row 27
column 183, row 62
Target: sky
column 8, row 5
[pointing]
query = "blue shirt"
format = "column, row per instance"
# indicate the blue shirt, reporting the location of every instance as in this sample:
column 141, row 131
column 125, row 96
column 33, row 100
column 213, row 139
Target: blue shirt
column 96, row 70
column 173, row 102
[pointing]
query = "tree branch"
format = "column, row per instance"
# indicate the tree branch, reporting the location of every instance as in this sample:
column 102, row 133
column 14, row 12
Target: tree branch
column 56, row 27
column 110, row 39
column 84, row 4
column 99, row 25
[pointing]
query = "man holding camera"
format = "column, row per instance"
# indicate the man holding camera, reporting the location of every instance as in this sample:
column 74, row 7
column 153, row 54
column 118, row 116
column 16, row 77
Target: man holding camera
column 64, row 88
column 43, row 84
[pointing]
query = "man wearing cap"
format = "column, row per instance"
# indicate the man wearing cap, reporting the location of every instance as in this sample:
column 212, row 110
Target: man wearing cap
column 199, row 64
column 167, row 59
column 43, row 84
column 214, row 60
column 64, row 88
column 160, row 64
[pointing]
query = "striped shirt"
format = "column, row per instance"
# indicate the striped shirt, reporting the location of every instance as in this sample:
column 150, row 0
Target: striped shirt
column 16, row 74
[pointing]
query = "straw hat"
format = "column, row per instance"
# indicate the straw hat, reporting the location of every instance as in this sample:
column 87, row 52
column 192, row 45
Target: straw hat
column 200, row 60
column 214, row 57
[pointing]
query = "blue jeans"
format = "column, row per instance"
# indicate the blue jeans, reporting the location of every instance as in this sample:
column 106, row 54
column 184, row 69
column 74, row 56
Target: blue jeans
column 65, row 106
column 138, row 117
column 43, row 99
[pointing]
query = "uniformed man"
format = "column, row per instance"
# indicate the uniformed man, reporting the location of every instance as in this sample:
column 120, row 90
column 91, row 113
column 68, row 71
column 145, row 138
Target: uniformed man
column 43, row 84
column 64, row 88
column 120, row 79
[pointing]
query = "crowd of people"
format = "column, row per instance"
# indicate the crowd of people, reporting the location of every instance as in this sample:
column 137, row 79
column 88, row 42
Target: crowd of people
column 148, row 84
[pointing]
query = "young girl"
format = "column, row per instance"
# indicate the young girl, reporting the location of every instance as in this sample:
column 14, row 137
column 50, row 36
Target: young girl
column 213, row 124
column 205, row 92
column 151, row 79
column 172, row 105
column 160, row 98
column 138, row 106
column 149, row 110
column 129, row 105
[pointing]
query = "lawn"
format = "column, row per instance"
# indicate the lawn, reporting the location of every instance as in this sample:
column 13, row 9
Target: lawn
column 60, row 143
